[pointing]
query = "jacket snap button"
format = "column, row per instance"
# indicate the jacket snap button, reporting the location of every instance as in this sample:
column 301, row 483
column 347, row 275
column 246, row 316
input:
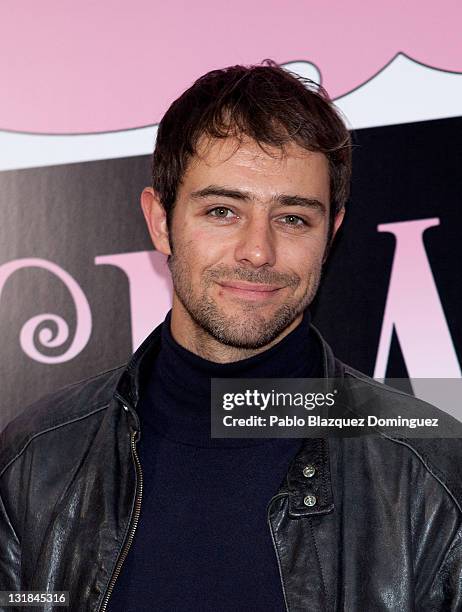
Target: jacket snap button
column 309, row 471
column 125, row 407
column 309, row 500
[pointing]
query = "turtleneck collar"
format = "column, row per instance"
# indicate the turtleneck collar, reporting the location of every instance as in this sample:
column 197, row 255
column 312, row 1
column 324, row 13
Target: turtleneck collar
column 176, row 401
column 283, row 359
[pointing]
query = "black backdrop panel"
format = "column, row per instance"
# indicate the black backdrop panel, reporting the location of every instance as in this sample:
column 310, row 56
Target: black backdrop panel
column 400, row 173
column 71, row 214
column 68, row 214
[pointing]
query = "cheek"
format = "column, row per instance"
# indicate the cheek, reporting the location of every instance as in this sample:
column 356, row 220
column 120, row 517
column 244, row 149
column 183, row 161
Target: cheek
column 199, row 253
column 302, row 258
column 209, row 245
column 195, row 234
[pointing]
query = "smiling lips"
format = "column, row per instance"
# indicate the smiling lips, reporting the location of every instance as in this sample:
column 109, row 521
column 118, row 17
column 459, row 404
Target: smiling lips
column 250, row 291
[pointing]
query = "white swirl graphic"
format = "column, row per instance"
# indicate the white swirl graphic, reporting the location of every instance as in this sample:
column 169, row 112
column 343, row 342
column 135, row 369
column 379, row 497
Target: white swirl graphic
column 46, row 336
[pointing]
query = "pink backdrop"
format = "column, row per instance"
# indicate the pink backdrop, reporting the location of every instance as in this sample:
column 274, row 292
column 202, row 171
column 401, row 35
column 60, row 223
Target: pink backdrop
column 87, row 66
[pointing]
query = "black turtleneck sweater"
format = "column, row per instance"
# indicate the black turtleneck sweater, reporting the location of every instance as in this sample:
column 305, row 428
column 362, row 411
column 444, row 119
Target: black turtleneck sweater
column 203, row 543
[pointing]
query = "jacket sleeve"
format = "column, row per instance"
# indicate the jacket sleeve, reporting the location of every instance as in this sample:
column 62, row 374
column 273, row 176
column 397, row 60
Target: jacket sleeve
column 10, row 552
column 446, row 589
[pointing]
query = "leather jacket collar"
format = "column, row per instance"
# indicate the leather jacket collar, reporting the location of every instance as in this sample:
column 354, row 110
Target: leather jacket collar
column 313, row 450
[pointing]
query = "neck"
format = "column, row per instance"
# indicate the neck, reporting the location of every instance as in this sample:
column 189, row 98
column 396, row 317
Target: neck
column 196, row 339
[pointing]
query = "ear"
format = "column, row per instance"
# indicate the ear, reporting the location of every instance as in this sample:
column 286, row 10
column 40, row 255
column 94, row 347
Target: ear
column 156, row 220
column 338, row 221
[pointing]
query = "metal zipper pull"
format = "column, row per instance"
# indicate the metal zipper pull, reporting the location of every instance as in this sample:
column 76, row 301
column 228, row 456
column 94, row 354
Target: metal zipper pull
column 133, row 521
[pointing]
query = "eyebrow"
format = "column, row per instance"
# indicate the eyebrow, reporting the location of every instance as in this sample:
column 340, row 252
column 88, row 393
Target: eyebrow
column 245, row 196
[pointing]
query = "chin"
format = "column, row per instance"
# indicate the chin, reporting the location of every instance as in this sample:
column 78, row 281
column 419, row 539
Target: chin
column 243, row 341
column 248, row 330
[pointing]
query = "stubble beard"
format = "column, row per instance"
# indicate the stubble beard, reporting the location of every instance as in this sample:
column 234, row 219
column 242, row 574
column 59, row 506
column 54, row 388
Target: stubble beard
column 248, row 328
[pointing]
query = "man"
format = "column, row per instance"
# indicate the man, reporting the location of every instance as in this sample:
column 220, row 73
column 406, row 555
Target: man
column 114, row 490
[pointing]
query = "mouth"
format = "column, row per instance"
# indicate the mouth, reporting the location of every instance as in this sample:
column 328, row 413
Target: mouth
column 250, row 291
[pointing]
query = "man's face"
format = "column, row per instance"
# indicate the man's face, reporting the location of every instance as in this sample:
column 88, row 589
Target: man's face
column 247, row 237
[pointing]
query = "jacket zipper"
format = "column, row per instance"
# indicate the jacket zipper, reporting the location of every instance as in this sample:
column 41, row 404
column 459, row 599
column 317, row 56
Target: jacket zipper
column 134, row 522
column 275, row 547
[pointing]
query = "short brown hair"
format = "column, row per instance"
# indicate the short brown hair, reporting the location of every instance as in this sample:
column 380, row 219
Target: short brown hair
column 264, row 102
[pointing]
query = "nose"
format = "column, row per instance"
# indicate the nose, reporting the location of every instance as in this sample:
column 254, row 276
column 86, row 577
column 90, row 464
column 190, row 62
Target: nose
column 256, row 244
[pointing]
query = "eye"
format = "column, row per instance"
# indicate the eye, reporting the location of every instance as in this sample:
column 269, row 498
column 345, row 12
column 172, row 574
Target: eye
column 220, row 212
column 294, row 221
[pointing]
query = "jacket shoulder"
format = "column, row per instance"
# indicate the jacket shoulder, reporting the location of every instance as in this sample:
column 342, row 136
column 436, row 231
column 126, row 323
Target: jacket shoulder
column 441, row 456
column 66, row 405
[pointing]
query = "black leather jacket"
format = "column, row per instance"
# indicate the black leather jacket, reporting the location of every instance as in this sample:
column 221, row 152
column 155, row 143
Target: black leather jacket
column 385, row 533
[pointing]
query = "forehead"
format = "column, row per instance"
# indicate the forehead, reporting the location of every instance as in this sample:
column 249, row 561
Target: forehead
column 243, row 162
